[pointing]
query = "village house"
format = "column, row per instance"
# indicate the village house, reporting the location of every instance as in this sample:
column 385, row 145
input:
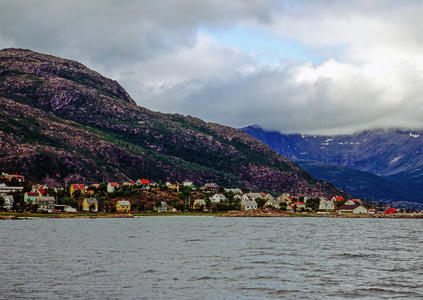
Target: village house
column 337, row 199
column 272, row 202
column 352, row 209
column 235, row 191
column 77, row 187
column 90, row 204
column 325, row 204
column 286, row 198
column 211, row 187
column 199, row 204
column 162, row 207
column 357, row 201
column 29, row 197
column 128, row 183
column 9, row 189
column 350, row 202
column 247, row 203
column 8, row 202
column 188, row 184
column 253, row 196
column 172, row 185
column 123, row 206
column 300, row 205
column 10, row 177
column 218, row 198
column 111, row 186
column 237, row 198
column 45, row 203
column 144, row 183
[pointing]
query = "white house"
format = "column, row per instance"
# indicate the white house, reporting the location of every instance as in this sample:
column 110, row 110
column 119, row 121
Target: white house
column 8, row 202
column 218, row 198
column 235, row 191
column 45, row 203
column 352, row 209
column 247, row 204
column 162, row 207
column 272, row 202
column 326, row 205
column 111, row 186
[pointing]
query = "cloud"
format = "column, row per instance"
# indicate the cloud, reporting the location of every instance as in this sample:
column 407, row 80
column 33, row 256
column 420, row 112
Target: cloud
column 361, row 62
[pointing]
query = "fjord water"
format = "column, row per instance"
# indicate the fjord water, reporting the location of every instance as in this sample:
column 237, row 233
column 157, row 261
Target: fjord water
column 211, row 258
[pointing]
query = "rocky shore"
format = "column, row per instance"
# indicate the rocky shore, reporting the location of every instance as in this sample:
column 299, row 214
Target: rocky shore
column 65, row 216
column 264, row 212
column 269, row 212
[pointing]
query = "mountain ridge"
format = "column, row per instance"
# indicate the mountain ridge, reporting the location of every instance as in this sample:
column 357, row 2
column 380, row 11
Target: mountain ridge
column 393, row 154
column 87, row 128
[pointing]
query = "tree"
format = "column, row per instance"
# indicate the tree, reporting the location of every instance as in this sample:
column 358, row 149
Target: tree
column 313, row 203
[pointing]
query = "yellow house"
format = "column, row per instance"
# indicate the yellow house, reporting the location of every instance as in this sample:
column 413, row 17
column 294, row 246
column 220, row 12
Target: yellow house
column 90, row 204
column 172, row 185
column 77, row 187
column 123, row 206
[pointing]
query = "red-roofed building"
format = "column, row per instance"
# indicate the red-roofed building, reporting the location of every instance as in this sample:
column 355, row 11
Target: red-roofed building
column 391, row 211
column 19, row 178
column 77, row 187
column 299, row 204
column 143, row 182
column 337, row 198
column 30, row 197
column 42, row 192
column 111, row 186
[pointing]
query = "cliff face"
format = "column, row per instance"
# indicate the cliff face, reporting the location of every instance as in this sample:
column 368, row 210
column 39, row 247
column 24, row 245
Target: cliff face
column 64, row 122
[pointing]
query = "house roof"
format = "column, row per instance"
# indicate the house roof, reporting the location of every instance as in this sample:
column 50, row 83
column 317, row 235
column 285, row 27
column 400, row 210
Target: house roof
column 115, row 184
column 46, row 199
column 78, row 186
column 249, row 202
column 144, row 181
column 200, row 201
column 390, row 211
column 124, row 202
column 348, row 207
column 91, row 200
column 210, row 185
column 339, row 198
column 221, row 196
column 30, row 194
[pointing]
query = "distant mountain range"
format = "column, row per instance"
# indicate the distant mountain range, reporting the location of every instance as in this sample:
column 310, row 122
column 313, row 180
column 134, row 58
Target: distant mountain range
column 386, row 165
column 62, row 122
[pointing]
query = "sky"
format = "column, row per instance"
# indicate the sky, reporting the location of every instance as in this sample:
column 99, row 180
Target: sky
column 312, row 67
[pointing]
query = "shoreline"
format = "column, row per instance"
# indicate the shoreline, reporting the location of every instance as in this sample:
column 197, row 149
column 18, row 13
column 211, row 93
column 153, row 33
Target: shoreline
column 258, row 213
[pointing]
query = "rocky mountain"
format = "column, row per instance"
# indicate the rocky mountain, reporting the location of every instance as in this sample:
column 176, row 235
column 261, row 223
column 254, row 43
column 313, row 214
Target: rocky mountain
column 62, row 122
column 395, row 155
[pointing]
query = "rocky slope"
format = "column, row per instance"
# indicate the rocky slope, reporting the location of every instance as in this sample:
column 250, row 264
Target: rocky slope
column 61, row 121
column 394, row 154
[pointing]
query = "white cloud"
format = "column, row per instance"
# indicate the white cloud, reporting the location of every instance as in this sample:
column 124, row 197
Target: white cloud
column 368, row 72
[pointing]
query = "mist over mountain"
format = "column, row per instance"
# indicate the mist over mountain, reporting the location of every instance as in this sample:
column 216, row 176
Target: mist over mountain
column 62, row 122
column 395, row 155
